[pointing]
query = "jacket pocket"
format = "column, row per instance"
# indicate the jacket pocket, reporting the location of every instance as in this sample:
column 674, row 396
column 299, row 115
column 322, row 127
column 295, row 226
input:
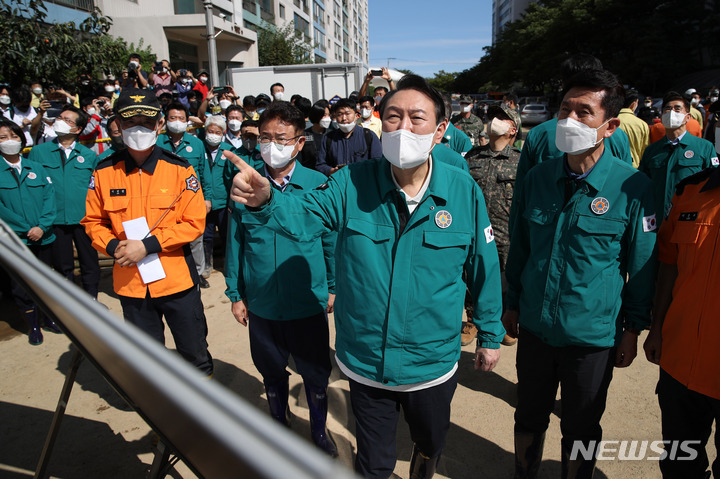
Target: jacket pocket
column 376, row 232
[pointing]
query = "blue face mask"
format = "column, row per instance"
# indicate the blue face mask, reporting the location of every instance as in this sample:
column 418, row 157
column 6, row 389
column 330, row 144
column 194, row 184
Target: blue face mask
column 260, row 111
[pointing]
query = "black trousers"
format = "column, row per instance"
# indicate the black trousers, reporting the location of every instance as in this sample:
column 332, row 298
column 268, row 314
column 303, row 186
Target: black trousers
column 584, row 374
column 376, row 411
column 185, row 317
column 307, row 339
column 216, row 218
column 21, row 297
column 63, row 260
column 687, row 416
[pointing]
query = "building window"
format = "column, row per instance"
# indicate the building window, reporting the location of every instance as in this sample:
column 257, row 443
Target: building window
column 302, row 26
column 282, row 11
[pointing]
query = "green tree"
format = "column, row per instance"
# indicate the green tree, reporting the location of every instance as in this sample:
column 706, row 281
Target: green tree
column 282, row 46
column 58, row 53
column 443, row 81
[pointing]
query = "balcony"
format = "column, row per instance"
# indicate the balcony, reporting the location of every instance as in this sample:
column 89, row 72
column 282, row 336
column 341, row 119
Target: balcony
column 250, row 6
column 84, row 5
column 267, row 15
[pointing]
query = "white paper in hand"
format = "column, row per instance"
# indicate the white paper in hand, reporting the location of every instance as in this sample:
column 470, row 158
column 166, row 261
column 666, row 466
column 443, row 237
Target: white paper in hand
column 150, row 267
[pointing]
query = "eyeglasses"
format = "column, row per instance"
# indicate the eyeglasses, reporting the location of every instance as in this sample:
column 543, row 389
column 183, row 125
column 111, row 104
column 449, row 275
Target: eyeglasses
column 69, row 122
column 282, row 141
column 677, row 108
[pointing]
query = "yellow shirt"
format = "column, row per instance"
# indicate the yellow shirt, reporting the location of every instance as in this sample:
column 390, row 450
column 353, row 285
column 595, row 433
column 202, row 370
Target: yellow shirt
column 638, row 134
column 373, row 124
column 697, row 115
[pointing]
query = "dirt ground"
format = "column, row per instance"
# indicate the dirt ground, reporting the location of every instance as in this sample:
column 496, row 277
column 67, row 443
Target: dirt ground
column 102, row 438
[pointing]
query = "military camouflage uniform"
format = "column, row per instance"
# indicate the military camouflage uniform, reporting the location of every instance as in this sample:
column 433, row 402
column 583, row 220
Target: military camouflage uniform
column 472, row 126
column 495, row 173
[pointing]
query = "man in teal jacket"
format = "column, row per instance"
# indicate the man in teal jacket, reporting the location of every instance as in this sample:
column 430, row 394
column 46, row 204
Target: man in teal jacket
column 283, row 287
column 580, row 273
column 69, row 166
column 677, row 156
column 177, row 140
column 407, row 229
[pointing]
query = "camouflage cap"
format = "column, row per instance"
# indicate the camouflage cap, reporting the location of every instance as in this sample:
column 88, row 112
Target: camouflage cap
column 136, row 102
column 465, row 99
column 504, row 113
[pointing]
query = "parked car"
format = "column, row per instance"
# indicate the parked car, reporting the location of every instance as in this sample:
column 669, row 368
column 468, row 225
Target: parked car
column 534, row 113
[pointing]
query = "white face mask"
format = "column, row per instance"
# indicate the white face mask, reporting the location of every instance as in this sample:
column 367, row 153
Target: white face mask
column 139, row 138
column 234, row 125
column 325, row 122
column 672, row 119
column 498, row 127
column 224, row 104
column 694, row 101
column 212, row 139
column 4, row 99
column 648, row 104
column 109, row 89
column 177, row 126
column 276, row 155
column 467, row 108
column 61, row 128
column 575, row 138
column 278, row 95
column 366, row 113
column 405, row 149
column 10, row 147
column 713, row 99
column 91, row 111
column 346, row 127
column 378, row 99
column 37, row 91
column 134, row 63
column 203, row 79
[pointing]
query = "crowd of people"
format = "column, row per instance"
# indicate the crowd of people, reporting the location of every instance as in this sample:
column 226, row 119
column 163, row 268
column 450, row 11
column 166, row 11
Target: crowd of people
column 400, row 218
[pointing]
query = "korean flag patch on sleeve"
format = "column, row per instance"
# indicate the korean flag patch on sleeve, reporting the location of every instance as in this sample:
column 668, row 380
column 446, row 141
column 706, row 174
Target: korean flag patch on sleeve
column 489, row 234
column 714, row 161
column 91, row 186
column 649, row 223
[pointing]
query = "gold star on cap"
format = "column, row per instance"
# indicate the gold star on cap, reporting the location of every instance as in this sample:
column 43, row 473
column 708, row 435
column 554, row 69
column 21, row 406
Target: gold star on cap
column 138, row 98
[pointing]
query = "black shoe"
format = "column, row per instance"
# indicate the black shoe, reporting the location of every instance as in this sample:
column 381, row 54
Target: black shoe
column 277, row 397
column 51, row 326
column 35, row 336
column 204, row 283
column 421, row 466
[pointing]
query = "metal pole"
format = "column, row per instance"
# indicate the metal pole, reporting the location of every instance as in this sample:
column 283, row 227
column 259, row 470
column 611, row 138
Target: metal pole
column 212, row 51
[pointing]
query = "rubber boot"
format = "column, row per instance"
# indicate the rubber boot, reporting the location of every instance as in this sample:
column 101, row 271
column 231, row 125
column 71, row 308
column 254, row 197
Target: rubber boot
column 50, row 325
column 35, row 336
column 577, row 468
column 277, row 397
column 528, row 454
column 318, row 405
column 421, row 466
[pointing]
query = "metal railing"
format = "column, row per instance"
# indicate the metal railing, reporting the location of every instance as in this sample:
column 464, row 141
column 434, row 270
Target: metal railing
column 216, row 433
column 84, row 5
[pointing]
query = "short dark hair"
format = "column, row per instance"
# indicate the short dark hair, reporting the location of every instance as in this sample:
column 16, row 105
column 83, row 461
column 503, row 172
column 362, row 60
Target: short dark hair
column 631, row 96
column 675, row 96
column 511, row 97
column 274, row 85
column 135, row 55
column 365, row 98
column 294, row 98
column 5, row 123
column 304, row 105
column 233, row 108
column 578, row 62
column 176, row 105
column 317, row 112
column 343, row 103
column 417, row 83
column 86, row 101
column 600, row 80
column 285, row 112
column 21, row 95
column 323, row 102
column 82, row 119
column 447, row 100
column 248, row 100
column 248, row 123
column 381, row 88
